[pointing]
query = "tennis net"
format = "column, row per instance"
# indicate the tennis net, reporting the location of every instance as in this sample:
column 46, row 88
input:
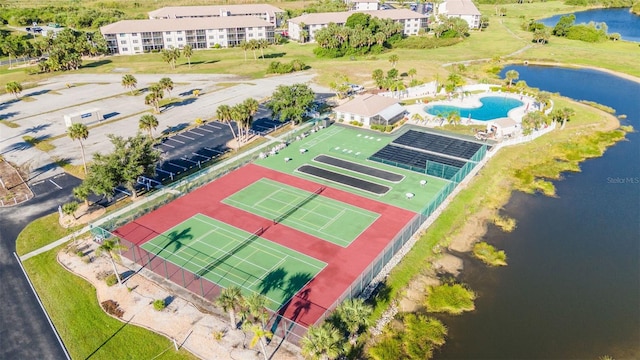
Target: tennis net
column 230, row 253
column 295, row 208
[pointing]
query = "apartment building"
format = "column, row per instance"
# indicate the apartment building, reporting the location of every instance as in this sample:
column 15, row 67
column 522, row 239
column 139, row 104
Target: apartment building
column 139, row 36
column 265, row 12
column 464, row 9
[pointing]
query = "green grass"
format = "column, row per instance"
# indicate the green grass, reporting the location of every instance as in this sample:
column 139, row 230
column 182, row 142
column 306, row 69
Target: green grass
column 40, row 233
column 325, row 218
column 356, row 145
column 83, row 326
column 451, row 299
column 229, row 256
column 9, row 124
column 38, row 143
column 489, row 254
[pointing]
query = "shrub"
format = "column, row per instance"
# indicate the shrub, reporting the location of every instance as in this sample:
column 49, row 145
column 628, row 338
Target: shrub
column 111, row 280
column 218, row 335
column 159, row 304
column 276, row 67
column 505, row 223
column 452, row 299
column 112, row 308
column 489, row 254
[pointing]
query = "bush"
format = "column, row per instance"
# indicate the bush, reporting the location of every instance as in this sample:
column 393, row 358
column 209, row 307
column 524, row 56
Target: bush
column 276, row 67
column 159, row 304
column 505, row 223
column 355, row 123
column 489, row 254
column 111, row 280
column 452, row 299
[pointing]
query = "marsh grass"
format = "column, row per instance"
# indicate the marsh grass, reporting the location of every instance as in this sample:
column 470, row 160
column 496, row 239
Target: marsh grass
column 505, row 223
column 451, row 299
column 489, row 255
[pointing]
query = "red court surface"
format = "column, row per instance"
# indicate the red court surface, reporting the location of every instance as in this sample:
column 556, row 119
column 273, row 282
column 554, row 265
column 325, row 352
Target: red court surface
column 344, row 264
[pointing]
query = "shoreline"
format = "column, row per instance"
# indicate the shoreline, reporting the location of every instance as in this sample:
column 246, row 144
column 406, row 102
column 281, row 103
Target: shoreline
column 575, row 66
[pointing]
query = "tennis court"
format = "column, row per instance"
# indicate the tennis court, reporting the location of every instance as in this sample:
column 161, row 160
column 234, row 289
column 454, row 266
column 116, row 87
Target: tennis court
column 325, row 218
column 230, row 256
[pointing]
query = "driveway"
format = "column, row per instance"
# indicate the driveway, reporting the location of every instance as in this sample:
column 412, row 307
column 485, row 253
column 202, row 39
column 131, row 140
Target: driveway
column 24, row 331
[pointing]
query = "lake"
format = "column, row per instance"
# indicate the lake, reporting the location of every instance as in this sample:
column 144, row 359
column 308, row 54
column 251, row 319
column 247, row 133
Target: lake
column 572, row 286
column 620, row 21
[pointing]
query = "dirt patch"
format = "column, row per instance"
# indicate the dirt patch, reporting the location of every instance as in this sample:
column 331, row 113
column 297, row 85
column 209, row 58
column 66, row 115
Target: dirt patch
column 13, row 189
column 413, row 299
column 180, row 320
column 82, row 216
column 471, row 232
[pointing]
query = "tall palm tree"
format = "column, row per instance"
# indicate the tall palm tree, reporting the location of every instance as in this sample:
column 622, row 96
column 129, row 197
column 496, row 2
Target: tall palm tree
column 252, row 105
column 223, row 113
column 263, row 44
column 148, row 123
column 156, row 93
column 229, row 300
column 512, row 75
column 260, row 336
column 244, row 45
column 303, row 32
column 354, row 314
column 112, row 248
column 453, row 118
column 13, row 87
column 129, row 82
column 393, row 59
column 543, row 98
column 187, row 51
column 256, row 304
column 240, row 114
column 254, row 45
column 79, row 132
column 412, row 73
column 322, row 342
column 166, row 84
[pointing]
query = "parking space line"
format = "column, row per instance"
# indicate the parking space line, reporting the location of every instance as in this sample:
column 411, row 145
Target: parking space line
column 173, row 139
column 213, row 126
column 185, row 136
column 195, row 132
column 54, row 183
column 178, row 166
column 207, row 130
column 165, row 144
column 196, row 154
column 213, row 150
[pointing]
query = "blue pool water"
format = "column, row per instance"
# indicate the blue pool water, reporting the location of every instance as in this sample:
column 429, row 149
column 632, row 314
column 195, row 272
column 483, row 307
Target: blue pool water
column 493, row 107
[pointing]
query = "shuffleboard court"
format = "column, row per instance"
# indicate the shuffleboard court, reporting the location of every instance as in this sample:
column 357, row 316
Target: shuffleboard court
column 346, row 180
column 359, row 168
column 230, row 256
column 325, row 218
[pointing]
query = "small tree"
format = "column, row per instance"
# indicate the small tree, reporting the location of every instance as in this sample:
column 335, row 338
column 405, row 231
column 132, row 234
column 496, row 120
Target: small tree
column 512, row 75
column 229, row 300
column 79, row 132
column 322, row 342
column 393, row 59
column 70, row 208
column 148, row 123
column 260, row 336
column 166, row 84
column 112, row 248
column 156, row 93
column 14, row 88
column 223, row 113
column 187, row 51
column 129, row 82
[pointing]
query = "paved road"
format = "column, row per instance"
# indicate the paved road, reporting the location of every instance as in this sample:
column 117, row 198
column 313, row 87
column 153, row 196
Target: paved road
column 24, row 330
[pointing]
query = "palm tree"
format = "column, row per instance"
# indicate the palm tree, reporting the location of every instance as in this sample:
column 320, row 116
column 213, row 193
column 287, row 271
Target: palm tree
column 253, row 46
column 79, row 132
column 256, row 305
column 453, row 118
column 156, row 93
column 512, row 75
column 563, row 115
column 244, row 45
column 223, row 113
column 354, row 314
column 229, row 300
column 303, row 32
column 322, row 342
column 129, row 82
column 393, row 59
column 148, row 123
column 187, row 51
column 166, row 84
column 240, row 114
column 13, row 87
column 454, row 80
column 417, row 117
column 543, row 98
column 112, row 248
column 412, row 73
column 260, row 336
column 252, row 105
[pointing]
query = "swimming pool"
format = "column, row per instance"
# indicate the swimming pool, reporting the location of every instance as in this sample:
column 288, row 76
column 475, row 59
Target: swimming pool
column 493, row 107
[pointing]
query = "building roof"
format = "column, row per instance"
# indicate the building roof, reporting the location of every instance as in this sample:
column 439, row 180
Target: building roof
column 136, row 26
column 342, row 16
column 365, row 1
column 505, row 122
column 461, row 7
column 213, row 10
column 367, row 105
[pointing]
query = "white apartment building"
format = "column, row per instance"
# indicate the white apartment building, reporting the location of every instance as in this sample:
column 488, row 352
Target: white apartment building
column 363, row 5
column 464, row 9
column 139, row 36
column 266, row 12
column 411, row 20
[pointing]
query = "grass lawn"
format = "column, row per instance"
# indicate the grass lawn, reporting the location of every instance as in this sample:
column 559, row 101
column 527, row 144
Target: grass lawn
column 41, row 232
column 85, row 329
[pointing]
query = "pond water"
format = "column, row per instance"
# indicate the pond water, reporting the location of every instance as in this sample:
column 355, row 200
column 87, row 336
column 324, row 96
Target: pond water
column 620, row 21
column 572, row 286
column 493, row 107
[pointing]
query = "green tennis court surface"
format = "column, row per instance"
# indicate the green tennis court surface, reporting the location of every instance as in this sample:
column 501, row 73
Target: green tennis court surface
column 229, row 256
column 325, row 218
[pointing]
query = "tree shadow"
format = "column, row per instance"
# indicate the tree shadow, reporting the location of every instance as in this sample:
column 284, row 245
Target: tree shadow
column 9, row 115
column 177, row 237
column 109, row 338
column 184, row 102
column 175, row 128
column 274, row 55
column 190, row 92
column 272, row 281
column 39, row 92
column 96, row 64
column 202, row 62
column 6, row 104
column 37, row 128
